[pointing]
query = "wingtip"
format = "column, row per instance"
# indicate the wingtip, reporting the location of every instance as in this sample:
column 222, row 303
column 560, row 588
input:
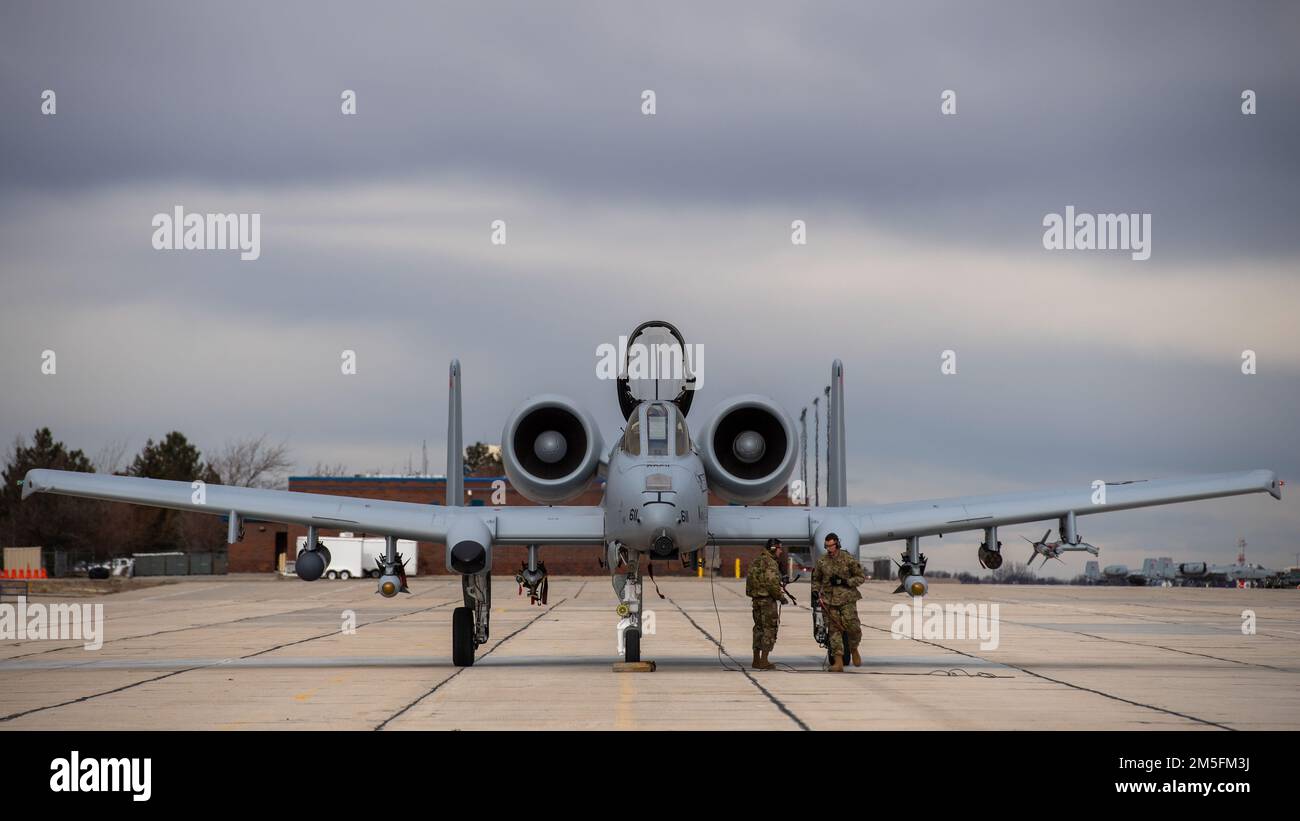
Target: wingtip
column 31, row 483
column 1271, row 483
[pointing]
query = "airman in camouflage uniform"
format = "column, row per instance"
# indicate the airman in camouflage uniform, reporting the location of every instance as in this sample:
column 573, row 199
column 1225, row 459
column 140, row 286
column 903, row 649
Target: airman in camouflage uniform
column 763, row 585
column 835, row 581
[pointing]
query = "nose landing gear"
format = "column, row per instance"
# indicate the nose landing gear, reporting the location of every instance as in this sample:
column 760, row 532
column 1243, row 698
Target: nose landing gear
column 627, row 584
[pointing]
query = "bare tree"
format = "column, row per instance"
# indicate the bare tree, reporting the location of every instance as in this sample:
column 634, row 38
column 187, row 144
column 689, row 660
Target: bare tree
column 1013, row 573
column 336, row 469
column 252, row 463
column 111, row 458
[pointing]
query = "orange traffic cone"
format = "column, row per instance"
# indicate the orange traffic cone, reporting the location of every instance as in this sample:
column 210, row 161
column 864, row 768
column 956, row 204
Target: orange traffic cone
column 43, row 574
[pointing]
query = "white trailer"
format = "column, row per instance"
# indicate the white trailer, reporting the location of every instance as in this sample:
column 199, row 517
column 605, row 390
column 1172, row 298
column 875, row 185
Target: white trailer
column 372, row 549
column 352, row 557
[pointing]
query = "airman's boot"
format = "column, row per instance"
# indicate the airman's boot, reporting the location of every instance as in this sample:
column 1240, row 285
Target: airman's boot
column 857, row 660
column 758, row 660
column 838, row 666
column 763, row 663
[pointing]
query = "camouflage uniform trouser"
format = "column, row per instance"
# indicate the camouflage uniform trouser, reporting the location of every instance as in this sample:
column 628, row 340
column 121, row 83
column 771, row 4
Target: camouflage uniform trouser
column 842, row 623
column 765, row 622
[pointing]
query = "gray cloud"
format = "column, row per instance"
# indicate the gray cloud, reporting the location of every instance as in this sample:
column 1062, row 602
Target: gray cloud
column 1108, row 107
column 925, row 231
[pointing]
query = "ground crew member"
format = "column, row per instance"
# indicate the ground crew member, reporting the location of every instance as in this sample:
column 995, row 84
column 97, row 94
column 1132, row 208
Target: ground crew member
column 763, row 585
column 835, row 580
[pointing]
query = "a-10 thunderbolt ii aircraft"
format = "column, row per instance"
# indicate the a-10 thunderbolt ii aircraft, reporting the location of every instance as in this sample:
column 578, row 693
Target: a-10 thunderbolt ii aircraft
column 656, row 504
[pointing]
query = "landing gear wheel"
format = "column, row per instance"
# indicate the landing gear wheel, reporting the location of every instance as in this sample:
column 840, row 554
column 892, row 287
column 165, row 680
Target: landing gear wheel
column 462, row 637
column 632, row 644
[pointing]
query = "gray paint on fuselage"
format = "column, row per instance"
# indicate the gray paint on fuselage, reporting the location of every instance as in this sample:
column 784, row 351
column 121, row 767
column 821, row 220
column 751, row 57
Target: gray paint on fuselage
column 652, row 496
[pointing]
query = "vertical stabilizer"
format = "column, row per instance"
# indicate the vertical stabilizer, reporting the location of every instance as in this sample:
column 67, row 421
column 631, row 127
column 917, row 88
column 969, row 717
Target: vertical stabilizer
column 455, row 449
column 837, row 494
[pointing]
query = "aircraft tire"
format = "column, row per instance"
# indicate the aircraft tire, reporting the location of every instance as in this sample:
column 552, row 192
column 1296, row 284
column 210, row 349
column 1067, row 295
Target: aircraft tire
column 462, row 637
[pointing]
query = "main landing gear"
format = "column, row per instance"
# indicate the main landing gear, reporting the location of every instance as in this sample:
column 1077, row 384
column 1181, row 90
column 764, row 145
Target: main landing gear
column 469, row 624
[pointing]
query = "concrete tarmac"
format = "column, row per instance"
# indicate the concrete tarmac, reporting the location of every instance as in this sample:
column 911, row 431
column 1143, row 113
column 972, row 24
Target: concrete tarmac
column 260, row 652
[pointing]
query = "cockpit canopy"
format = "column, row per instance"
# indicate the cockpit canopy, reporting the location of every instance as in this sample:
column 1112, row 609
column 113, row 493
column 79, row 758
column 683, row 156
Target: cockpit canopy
column 657, row 429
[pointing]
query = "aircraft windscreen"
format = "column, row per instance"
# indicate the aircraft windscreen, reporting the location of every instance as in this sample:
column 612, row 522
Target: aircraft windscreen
column 656, row 420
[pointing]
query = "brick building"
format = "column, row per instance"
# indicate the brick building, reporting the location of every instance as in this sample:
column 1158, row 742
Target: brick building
column 266, row 542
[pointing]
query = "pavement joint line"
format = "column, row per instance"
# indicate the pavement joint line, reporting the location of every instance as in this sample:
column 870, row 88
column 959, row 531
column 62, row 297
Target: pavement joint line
column 209, row 665
column 183, row 629
column 780, row 705
column 1119, row 641
column 167, row 632
column 359, row 626
column 175, row 593
column 1136, row 643
column 89, row 696
column 1148, row 646
column 1150, row 619
column 439, row 685
column 1079, row 687
column 1138, row 689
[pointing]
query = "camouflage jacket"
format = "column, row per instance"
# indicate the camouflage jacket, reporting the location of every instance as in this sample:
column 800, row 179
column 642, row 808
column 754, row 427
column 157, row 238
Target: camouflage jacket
column 847, row 569
column 764, row 577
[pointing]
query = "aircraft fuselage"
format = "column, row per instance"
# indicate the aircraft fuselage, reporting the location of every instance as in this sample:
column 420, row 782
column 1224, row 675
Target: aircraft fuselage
column 656, row 493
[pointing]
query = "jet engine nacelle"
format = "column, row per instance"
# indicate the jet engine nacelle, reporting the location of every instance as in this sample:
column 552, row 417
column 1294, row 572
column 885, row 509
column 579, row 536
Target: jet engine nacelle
column 550, row 449
column 749, row 448
column 1193, row 569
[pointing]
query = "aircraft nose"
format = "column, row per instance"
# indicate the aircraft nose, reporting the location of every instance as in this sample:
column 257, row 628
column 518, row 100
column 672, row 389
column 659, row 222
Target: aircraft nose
column 659, row 517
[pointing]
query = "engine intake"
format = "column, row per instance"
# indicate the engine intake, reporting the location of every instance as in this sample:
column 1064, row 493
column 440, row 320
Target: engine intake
column 749, row 449
column 550, row 449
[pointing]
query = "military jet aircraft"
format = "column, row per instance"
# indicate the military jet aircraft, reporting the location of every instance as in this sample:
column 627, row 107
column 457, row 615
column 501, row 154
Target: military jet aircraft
column 1238, row 574
column 1154, row 573
column 656, row 504
column 1053, row 550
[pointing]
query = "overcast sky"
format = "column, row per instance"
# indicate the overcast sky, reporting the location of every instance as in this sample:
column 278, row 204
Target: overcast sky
column 924, row 232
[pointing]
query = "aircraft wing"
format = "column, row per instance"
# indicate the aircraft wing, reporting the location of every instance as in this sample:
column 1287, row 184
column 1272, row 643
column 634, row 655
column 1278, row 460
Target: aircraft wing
column 883, row 523
column 509, row 525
